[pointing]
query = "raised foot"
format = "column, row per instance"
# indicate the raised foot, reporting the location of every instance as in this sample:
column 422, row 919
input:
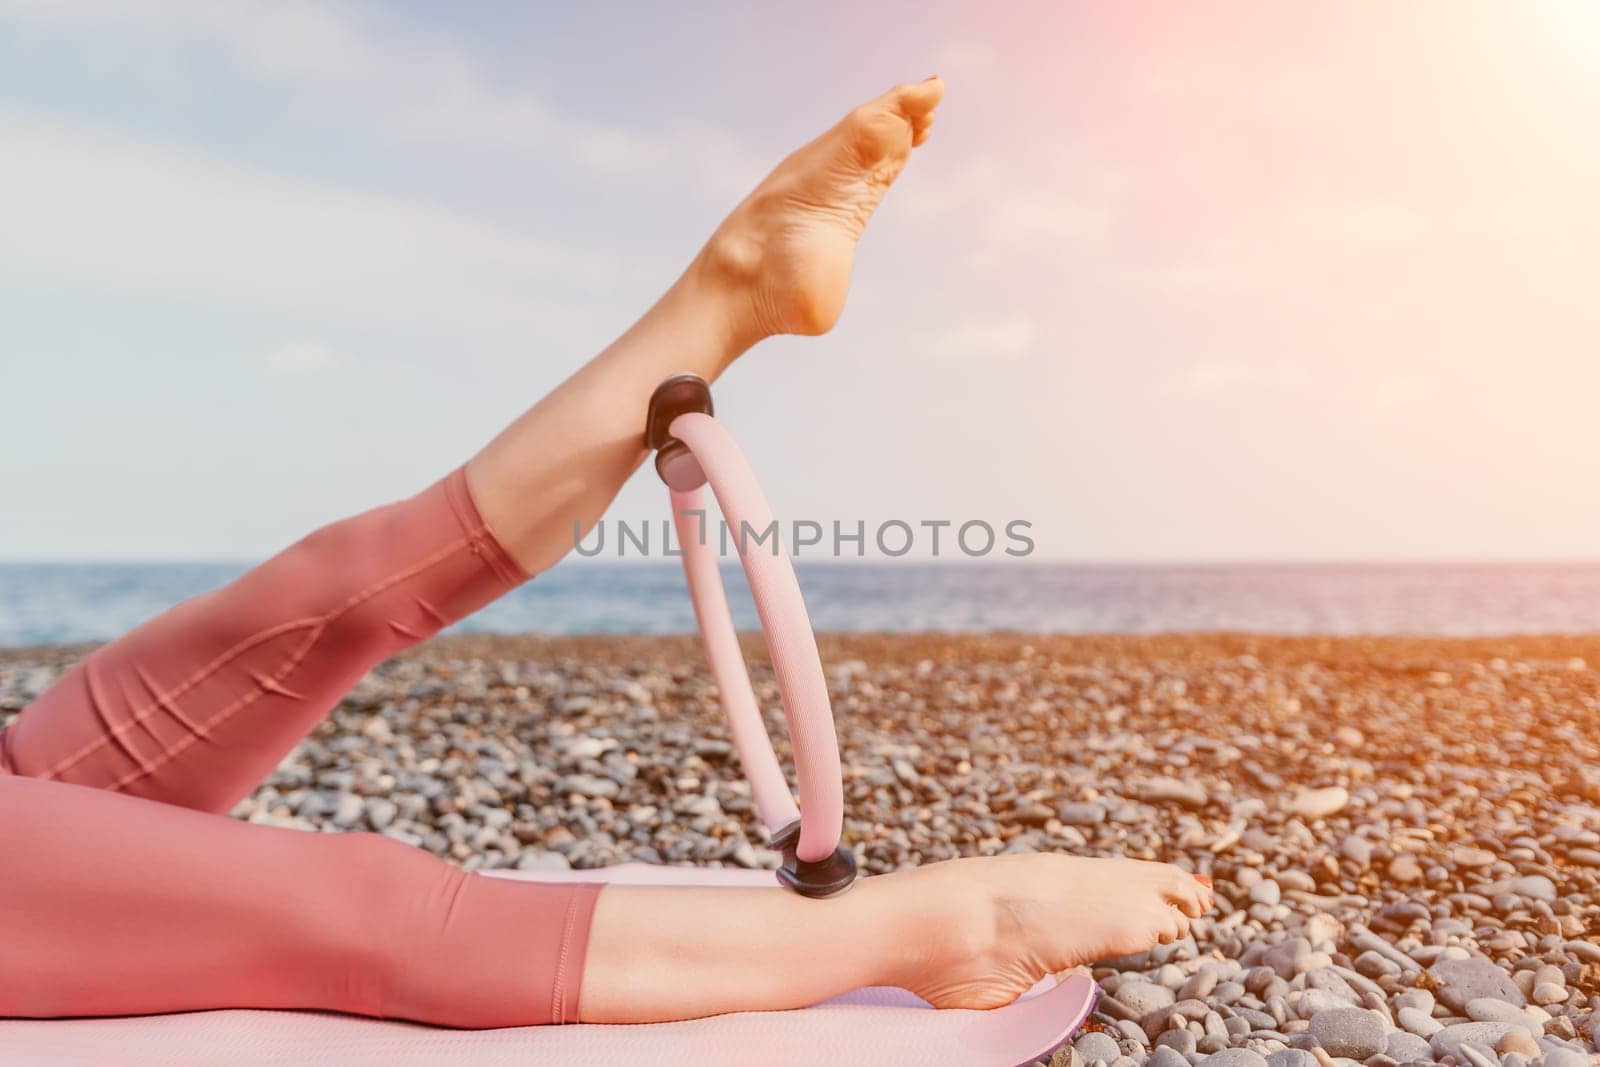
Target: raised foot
column 786, row 251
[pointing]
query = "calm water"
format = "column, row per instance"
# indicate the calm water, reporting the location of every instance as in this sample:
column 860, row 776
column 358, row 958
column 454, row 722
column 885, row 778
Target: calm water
column 42, row 603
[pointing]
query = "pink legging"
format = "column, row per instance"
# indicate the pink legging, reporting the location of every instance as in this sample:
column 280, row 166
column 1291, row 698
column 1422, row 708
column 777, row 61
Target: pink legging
column 125, row 889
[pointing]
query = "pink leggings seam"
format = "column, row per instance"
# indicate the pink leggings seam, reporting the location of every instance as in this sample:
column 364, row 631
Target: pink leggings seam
column 476, row 537
column 288, row 669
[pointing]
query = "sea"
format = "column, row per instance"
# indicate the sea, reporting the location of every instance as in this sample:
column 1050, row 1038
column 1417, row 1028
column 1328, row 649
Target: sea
column 48, row 603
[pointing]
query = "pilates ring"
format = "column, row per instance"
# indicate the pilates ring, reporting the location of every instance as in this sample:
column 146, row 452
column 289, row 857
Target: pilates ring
column 692, row 450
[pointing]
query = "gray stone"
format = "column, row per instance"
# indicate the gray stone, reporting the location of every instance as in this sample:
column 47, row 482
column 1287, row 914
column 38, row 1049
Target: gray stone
column 348, row 811
column 1448, row 1041
column 1319, row 803
column 1478, row 1057
column 1547, row 993
column 1490, row 1010
column 1376, row 965
column 536, row 860
column 588, row 785
column 1133, row 1032
column 1287, row 958
column 1199, row 985
column 1082, row 814
column 381, row 811
column 1355, row 1033
column 1166, row 1056
column 1096, row 1046
column 1535, row 887
column 1565, row 1057
column 1404, row 1047
column 1235, row 1057
column 1179, row 1041
column 1172, row 791
column 1461, row 981
column 1419, row 1022
column 1266, row 892
column 1314, row 1000
column 1291, row 1057
column 1587, row 951
column 1144, row 999
column 1420, row 999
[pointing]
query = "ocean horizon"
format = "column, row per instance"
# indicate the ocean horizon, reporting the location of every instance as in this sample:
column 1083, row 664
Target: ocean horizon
column 64, row 602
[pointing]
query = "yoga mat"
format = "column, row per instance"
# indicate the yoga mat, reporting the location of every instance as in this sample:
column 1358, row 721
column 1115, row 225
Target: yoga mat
column 879, row 1026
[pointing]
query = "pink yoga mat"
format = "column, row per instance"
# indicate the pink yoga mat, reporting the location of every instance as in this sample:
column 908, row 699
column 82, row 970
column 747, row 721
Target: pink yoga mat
column 877, row 1026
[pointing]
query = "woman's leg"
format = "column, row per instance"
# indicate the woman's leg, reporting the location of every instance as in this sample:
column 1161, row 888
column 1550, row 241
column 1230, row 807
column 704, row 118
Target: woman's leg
column 117, row 905
column 198, row 705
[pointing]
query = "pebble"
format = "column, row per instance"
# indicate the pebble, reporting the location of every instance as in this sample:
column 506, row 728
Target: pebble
column 1290, row 1057
column 1235, row 1057
column 1354, row 1033
column 1519, row 1042
column 1266, row 892
column 1405, row 869
column 1465, row 980
column 1403, row 1047
column 1081, row 814
column 1488, row 1009
column 1144, row 999
column 1182, row 1042
column 381, row 811
column 1565, row 1057
column 1288, row 957
column 1418, row 1022
column 534, row 860
column 348, row 811
column 1535, row 887
column 1448, row 1041
column 1319, row 803
column 587, row 785
column 1173, row 791
column 1092, row 1045
column 1165, row 1056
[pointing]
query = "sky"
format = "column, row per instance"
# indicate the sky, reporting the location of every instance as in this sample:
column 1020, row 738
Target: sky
column 1224, row 282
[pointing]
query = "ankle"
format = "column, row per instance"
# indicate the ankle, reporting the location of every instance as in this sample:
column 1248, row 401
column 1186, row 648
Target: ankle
column 728, row 271
column 940, row 919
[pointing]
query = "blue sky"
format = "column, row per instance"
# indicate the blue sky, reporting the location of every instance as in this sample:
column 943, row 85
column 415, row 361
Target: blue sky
column 1258, row 285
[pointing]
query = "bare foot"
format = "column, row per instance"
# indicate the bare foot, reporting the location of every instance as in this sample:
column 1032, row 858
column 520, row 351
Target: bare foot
column 789, row 245
column 1019, row 918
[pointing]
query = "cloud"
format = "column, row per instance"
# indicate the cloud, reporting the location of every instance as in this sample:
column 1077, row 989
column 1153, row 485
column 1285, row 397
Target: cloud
column 1380, row 222
column 1215, row 377
column 301, row 358
column 407, row 84
column 1007, row 214
column 1209, row 377
column 85, row 206
column 994, row 339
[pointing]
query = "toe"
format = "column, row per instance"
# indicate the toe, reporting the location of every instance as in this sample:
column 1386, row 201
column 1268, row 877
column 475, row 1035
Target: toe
column 1171, row 925
column 1184, row 891
column 876, row 135
column 915, row 100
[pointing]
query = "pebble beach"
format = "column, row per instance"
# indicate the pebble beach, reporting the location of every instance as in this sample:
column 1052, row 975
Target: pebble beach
column 1404, row 833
